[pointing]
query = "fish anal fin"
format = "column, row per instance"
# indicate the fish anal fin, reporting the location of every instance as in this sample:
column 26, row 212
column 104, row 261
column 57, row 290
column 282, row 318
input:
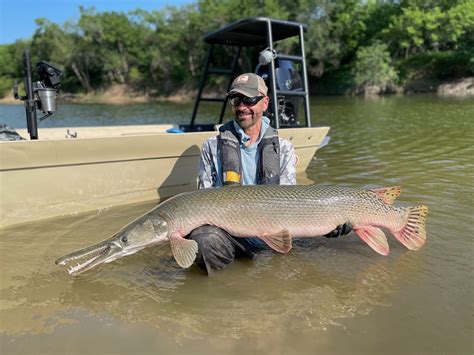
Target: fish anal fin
column 280, row 241
column 184, row 250
column 388, row 194
column 375, row 238
column 413, row 234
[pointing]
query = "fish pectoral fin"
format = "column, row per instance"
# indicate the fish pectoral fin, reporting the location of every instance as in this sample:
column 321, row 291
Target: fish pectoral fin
column 375, row 238
column 184, row 250
column 280, row 242
column 388, row 194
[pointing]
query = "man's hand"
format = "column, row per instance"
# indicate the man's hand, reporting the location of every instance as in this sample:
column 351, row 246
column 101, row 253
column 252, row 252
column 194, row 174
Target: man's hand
column 342, row 229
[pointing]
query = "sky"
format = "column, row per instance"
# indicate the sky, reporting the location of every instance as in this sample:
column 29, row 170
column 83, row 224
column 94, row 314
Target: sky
column 17, row 17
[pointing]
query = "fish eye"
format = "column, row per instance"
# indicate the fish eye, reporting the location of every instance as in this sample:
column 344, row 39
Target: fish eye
column 124, row 239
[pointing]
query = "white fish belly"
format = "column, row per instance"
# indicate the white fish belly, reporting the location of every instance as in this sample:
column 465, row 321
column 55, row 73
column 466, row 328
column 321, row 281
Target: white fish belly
column 298, row 223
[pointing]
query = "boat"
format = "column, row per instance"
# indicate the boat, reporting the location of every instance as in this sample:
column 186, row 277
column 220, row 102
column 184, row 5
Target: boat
column 61, row 171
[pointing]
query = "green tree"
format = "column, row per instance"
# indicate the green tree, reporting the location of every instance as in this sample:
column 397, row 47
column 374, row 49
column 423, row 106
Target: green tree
column 7, row 69
column 335, row 28
column 11, row 66
column 420, row 27
column 50, row 42
column 372, row 67
column 115, row 40
column 162, row 51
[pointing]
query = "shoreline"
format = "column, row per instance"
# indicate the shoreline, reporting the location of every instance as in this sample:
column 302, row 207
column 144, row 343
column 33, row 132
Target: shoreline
column 115, row 95
column 120, row 94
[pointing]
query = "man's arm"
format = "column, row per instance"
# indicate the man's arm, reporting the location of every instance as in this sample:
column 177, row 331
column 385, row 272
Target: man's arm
column 207, row 173
column 288, row 161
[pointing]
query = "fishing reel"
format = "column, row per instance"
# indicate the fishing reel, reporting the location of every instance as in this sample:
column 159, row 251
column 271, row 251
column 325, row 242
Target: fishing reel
column 40, row 95
column 45, row 90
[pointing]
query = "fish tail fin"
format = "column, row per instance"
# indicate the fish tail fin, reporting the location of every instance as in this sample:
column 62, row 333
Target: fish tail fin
column 388, row 194
column 413, row 233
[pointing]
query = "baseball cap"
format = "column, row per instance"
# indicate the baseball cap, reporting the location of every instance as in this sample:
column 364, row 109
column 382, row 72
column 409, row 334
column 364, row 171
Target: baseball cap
column 248, row 84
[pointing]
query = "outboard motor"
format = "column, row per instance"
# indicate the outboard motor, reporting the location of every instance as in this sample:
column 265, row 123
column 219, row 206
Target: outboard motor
column 40, row 95
column 287, row 79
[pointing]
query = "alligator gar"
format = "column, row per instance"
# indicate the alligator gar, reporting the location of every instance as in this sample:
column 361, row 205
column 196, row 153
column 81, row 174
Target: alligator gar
column 273, row 213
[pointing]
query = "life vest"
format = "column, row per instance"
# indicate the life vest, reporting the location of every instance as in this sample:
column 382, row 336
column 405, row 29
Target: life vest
column 268, row 169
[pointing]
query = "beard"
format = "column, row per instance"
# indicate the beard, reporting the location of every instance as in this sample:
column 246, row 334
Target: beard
column 246, row 119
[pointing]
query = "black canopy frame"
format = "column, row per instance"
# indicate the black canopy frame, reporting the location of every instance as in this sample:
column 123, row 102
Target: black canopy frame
column 254, row 32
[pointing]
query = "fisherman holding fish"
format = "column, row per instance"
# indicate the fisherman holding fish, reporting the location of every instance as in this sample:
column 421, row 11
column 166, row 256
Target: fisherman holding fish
column 247, row 151
column 211, row 226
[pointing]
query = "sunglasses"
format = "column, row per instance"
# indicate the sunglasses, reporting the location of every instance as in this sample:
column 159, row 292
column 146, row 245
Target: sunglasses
column 247, row 101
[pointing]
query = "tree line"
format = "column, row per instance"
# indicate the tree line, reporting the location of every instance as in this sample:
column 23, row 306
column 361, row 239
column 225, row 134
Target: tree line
column 350, row 44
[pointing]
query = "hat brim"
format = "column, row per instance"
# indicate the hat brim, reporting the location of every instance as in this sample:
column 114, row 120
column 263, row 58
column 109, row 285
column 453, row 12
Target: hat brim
column 245, row 92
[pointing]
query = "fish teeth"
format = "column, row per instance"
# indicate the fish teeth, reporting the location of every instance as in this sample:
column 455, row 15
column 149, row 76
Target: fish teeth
column 96, row 253
column 80, row 266
column 73, row 269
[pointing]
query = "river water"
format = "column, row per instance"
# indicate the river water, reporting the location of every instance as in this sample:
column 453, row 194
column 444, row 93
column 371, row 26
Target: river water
column 328, row 296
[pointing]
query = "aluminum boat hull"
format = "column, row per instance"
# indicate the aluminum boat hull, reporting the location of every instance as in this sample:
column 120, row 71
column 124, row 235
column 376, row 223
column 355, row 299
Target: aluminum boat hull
column 104, row 167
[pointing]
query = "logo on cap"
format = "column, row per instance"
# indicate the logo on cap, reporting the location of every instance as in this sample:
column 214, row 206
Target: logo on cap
column 242, row 78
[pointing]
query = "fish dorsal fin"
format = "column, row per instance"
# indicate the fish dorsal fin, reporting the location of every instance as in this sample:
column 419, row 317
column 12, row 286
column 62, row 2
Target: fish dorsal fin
column 388, row 194
column 184, row 250
column 280, row 241
column 375, row 238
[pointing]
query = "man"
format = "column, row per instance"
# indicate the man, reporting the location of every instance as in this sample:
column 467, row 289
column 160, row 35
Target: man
column 247, row 151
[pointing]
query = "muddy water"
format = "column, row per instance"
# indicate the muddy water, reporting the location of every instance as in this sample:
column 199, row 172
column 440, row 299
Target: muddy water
column 328, row 296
